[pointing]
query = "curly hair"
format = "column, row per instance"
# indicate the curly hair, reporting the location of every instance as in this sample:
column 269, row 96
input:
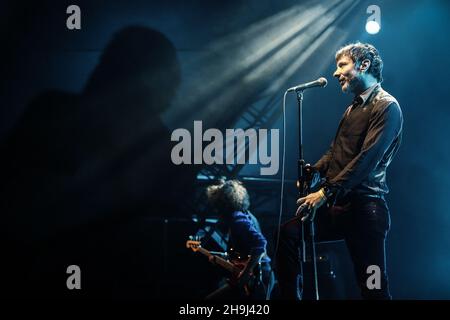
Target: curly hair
column 228, row 196
column 360, row 51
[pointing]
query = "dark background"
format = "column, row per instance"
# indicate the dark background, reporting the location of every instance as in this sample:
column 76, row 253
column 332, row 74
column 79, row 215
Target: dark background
column 40, row 53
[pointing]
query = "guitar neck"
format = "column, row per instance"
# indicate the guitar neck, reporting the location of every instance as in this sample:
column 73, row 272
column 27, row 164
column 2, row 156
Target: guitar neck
column 220, row 261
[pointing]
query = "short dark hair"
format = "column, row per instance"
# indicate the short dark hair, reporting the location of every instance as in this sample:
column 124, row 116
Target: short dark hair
column 360, row 51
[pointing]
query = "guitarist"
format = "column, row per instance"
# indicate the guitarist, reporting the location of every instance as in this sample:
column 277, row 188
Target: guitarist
column 230, row 201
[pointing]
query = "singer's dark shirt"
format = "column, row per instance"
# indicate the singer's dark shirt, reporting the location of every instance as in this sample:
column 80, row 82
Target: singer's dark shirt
column 368, row 137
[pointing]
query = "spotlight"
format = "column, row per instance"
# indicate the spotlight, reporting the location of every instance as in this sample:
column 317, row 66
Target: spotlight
column 373, row 24
column 372, row 27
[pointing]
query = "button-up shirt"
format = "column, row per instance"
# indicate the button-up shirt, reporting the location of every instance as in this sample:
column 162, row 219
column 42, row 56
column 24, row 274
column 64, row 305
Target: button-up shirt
column 368, row 137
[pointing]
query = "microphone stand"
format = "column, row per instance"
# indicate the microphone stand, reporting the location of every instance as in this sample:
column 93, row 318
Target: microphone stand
column 308, row 223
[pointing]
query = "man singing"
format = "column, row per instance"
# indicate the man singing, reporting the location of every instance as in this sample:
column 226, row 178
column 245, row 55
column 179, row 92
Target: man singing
column 351, row 204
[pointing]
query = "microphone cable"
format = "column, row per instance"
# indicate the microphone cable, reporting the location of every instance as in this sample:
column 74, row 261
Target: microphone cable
column 282, row 175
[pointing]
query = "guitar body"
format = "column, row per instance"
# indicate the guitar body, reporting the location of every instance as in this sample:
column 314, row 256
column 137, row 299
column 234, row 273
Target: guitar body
column 254, row 289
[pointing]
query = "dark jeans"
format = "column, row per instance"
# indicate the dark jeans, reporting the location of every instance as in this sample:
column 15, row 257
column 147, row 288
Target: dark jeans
column 362, row 222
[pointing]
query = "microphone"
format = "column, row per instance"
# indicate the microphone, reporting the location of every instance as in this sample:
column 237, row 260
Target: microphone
column 321, row 82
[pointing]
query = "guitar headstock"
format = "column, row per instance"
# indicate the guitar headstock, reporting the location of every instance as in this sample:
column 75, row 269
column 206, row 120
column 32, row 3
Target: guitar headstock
column 194, row 245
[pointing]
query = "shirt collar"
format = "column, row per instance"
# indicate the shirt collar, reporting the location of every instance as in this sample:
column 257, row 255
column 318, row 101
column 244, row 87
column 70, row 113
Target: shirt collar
column 366, row 94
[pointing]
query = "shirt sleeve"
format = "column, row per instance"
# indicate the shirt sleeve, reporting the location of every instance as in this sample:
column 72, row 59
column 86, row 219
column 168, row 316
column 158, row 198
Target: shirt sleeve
column 384, row 126
column 245, row 235
column 323, row 163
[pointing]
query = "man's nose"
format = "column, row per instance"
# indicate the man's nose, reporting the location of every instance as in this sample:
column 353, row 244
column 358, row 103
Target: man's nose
column 336, row 74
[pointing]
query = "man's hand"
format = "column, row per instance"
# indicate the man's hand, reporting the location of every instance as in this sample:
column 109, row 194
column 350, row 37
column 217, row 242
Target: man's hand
column 311, row 202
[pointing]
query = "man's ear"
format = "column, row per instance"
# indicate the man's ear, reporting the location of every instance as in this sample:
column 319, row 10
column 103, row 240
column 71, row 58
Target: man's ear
column 364, row 65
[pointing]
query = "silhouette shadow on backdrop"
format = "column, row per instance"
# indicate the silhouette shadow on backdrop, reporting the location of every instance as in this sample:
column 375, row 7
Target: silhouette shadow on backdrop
column 87, row 178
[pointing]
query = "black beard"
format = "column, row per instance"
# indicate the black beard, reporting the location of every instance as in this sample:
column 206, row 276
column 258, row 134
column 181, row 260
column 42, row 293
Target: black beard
column 356, row 85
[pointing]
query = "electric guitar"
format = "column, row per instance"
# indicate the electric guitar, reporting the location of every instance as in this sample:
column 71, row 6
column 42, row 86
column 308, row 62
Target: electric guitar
column 233, row 266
